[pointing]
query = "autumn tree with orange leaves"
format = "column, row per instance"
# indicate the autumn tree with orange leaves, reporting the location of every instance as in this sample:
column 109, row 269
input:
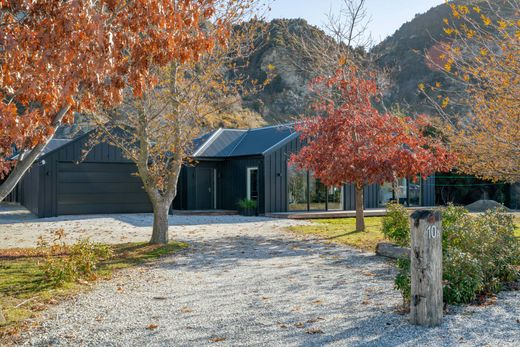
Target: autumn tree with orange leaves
column 156, row 130
column 349, row 141
column 59, row 57
column 481, row 54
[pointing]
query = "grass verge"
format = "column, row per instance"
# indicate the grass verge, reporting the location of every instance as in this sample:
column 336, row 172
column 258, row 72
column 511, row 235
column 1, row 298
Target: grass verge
column 343, row 230
column 24, row 290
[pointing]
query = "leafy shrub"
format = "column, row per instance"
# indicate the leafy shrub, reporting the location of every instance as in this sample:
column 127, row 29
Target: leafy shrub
column 63, row 263
column 402, row 281
column 480, row 253
column 247, row 204
column 462, row 277
column 396, row 224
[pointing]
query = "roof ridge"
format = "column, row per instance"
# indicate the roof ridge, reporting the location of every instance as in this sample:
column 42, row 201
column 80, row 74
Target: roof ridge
column 239, row 142
column 210, row 140
column 273, row 126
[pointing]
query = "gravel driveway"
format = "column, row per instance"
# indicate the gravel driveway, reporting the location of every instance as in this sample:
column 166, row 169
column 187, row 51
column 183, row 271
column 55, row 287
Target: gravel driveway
column 245, row 281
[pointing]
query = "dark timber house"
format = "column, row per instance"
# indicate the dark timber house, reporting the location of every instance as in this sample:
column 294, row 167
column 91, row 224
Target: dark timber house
column 228, row 165
column 231, row 165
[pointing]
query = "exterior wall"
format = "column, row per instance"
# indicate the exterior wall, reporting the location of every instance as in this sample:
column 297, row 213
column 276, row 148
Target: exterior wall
column 188, row 185
column 29, row 189
column 515, row 196
column 233, row 185
column 370, row 196
column 428, row 191
column 42, row 185
column 276, row 189
column 275, row 166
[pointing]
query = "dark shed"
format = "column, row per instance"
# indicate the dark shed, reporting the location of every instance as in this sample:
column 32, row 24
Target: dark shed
column 105, row 182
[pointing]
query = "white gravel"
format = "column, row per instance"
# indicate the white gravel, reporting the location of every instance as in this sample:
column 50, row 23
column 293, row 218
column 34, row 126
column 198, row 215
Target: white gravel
column 244, row 281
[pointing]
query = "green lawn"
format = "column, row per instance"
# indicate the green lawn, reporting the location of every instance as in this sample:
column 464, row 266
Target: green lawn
column 24, row 291
column 343, row 230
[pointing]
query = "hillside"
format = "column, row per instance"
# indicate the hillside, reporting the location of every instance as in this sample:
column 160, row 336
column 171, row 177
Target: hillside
column 401, row 55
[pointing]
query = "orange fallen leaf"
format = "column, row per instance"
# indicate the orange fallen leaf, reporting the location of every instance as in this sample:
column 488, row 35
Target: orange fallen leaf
column 152, row 327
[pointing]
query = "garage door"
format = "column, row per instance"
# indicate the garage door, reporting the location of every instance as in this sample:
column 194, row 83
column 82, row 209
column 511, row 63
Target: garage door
column 89, row 188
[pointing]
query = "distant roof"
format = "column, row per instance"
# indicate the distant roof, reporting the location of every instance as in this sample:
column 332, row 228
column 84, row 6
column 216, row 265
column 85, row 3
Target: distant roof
column 224, row 143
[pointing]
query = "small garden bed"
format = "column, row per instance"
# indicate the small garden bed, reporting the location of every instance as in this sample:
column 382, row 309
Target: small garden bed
column 26, row 289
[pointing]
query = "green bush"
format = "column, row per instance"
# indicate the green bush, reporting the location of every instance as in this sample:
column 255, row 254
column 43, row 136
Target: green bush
column 462, row 277
column 480, row 253
column 63, row 263
column 396, row 224
column 247, row 204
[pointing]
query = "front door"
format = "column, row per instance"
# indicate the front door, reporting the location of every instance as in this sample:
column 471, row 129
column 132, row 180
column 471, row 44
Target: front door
column 205, row 188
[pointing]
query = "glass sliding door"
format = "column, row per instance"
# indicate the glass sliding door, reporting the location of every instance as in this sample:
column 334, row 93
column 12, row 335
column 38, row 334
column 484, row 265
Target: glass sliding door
column 414, row 192
column 402, row 190
column 297, row 189
column 307, row 193
column 317, row 194
column 386, row 194
column 335, row 198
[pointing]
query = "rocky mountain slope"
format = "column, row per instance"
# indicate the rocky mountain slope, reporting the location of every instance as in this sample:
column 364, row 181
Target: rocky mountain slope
column 402, row 56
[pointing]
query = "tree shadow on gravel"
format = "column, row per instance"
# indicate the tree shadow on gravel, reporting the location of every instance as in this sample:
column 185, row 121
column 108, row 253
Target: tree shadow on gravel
column 229, row 251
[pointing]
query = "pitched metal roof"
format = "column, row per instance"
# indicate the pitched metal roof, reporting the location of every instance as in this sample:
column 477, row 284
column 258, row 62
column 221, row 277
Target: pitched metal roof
column 54, row 144
column 51, row 146
column 225, row 143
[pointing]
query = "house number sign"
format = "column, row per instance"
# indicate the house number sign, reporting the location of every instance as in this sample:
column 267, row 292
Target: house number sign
column 432, row 231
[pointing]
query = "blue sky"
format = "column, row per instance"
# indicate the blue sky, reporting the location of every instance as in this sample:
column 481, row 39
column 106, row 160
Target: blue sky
column 387, row 15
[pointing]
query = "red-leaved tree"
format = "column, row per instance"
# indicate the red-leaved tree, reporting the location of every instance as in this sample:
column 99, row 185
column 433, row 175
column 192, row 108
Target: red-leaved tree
column 350, row 141
column 58, row 57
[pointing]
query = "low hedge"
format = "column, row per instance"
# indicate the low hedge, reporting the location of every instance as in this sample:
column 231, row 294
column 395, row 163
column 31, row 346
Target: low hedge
column 480, row 252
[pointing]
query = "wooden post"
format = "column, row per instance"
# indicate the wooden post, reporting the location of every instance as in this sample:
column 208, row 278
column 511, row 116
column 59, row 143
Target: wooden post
column 426, row 268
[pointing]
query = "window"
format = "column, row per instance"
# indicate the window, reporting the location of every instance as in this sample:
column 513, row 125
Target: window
column 386, row 194
column 335, row 198
column 305, row 192
column 252, row 183
column 414, row 193
column 317, row 194
column 297, row 189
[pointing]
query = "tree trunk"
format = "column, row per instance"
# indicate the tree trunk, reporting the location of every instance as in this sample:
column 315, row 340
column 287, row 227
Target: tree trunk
column 160, row 222
column 360, row 215
column 22, row 166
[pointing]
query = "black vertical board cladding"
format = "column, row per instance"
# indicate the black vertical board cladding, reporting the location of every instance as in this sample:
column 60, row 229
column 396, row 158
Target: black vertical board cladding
column 179, row 203
column 371, row 196
column 29, row 189
column 267, row 183
column 428, row 191
column 233, row 183
column 40, row 184
column 276, row 176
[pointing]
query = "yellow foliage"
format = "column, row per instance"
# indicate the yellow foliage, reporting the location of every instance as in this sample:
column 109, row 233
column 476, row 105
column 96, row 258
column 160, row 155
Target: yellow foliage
column 487, row 139
column 486, row 20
